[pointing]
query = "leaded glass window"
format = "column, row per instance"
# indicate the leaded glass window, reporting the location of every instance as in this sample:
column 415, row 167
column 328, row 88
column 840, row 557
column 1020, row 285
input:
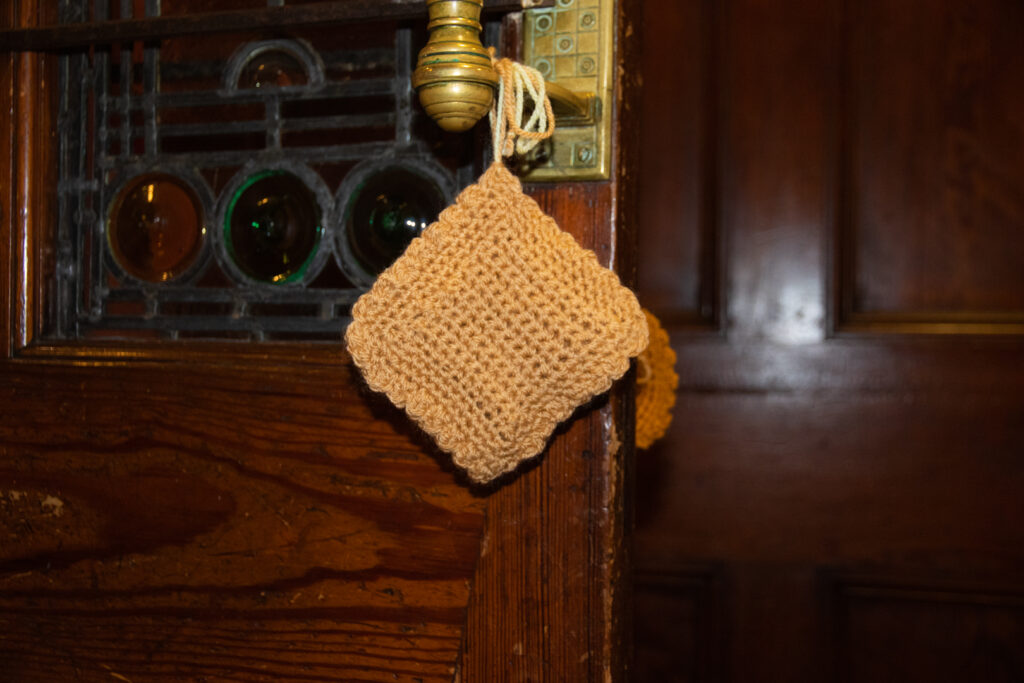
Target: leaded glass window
column 238, row 185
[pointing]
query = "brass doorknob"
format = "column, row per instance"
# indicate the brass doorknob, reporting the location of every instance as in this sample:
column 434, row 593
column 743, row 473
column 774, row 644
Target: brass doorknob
column 453, row 76
column 456, row 82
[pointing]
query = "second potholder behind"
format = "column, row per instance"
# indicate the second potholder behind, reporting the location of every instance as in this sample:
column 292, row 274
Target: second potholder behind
column 656, row 384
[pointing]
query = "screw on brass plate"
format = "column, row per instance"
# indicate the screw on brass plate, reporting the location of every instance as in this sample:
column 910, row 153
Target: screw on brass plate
column 542, row 153
column 585, row 154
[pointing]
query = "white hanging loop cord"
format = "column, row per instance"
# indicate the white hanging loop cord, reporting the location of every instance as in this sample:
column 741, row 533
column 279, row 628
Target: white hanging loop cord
column 508, row 131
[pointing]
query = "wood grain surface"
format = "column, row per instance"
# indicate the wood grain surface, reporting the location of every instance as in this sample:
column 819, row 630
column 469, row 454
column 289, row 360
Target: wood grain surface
column 210, row 522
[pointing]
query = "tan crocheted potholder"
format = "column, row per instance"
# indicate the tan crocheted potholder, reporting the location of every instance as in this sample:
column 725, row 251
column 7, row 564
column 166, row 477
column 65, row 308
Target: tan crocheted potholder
column 656, row 384
column 493, row 327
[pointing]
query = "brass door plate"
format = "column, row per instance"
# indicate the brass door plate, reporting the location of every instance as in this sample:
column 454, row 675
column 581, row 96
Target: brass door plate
column 571, row 44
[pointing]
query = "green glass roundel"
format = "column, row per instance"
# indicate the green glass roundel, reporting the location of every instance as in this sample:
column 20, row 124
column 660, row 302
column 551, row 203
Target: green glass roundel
column 272, row 227
column 386, row 212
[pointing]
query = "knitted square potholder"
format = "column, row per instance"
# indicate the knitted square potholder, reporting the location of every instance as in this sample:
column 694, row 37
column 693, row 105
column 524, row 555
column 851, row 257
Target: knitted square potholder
column 493, row 326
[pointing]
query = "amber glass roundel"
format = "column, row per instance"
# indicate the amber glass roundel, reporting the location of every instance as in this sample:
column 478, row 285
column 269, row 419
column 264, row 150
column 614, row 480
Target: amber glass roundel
column 272, row 227
column 386, row 212
column 155, row 227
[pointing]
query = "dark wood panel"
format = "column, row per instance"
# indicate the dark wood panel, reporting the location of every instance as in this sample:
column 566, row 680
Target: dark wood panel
column 934, row 125
column 833, row 478
column 169, row 510
column 680, row 638
column 34, row 179
column 888, row 632
column 796, row 447
column 678, row 276
column 922, row 366
column 7, row 196
column 778, row 91
column 782, row 461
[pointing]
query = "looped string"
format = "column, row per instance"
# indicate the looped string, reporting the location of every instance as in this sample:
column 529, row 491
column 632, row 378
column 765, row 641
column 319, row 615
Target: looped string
column 518, row 81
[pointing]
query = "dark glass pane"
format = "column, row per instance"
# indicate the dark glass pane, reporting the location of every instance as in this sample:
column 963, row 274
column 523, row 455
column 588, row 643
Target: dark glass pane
column 155, row 229
column 272, row 227
column 272, row 69
column 386, row 212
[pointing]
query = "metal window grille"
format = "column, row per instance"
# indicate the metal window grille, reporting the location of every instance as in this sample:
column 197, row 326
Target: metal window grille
column 182, row 107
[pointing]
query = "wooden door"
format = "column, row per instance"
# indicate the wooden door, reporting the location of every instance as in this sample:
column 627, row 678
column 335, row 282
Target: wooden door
column 832, row 225
column 203, row 510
